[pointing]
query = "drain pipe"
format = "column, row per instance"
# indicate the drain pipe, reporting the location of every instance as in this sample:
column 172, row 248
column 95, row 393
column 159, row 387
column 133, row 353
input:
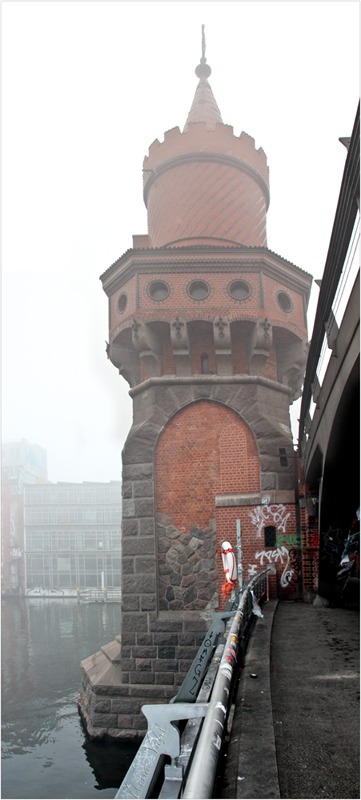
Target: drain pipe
column 203, row 771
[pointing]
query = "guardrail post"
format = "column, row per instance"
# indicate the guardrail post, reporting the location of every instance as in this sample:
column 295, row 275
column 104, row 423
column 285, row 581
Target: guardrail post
column 162, row 738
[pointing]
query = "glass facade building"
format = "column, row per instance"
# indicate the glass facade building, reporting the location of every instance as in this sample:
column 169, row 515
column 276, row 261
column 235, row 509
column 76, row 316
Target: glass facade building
column 73, row 536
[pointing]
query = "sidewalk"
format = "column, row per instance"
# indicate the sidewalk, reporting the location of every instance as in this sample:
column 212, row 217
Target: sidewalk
column 296, row 725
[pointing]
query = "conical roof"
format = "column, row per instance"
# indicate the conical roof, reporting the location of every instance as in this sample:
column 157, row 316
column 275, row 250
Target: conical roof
column 204, row 107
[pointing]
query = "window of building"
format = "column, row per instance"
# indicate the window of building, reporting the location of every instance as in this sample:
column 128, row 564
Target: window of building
column 198, row 290
column 284, row 301
column 270, row 536
column 204, row 364
column 158, row 290
column 63, row 564
column 239, row 289
column 122, row 303
column 90, row 515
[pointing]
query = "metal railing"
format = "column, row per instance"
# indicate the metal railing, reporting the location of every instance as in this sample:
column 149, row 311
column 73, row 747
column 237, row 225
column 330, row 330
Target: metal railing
column 190, row 730
column 99, row 595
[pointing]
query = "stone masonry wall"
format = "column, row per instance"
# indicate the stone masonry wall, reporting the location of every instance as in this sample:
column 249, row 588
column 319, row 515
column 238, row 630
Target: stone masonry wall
column 159, row 641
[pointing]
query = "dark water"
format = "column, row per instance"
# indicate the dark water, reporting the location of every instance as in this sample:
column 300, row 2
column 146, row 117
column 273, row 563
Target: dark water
column 45, row 750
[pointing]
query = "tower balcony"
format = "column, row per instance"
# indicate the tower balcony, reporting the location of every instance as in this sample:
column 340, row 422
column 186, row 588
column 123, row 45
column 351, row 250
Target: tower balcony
column 207, row 311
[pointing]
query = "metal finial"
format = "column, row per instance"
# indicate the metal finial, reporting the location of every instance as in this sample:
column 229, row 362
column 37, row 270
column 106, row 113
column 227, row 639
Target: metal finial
column 203, row 70
column 203, row 45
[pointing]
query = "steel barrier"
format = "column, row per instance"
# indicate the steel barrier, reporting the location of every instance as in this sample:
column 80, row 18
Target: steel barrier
column 189, row 731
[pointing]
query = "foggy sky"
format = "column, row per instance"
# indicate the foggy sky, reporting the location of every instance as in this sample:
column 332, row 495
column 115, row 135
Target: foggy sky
column 87, row 87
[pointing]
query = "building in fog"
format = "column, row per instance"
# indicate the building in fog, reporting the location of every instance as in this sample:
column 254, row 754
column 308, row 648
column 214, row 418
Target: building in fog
column 72, row 537
column 56, row 537
column 22, row 463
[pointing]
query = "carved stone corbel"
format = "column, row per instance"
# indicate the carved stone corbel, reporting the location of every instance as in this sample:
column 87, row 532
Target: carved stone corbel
column 223, row 345
column 291, row 363
column 260, row 343
column 180, row 345
column 127, row 361
column 148, row 346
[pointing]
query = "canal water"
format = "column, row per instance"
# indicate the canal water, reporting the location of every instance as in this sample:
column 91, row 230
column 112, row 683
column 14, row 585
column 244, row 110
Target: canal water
column 45, row 750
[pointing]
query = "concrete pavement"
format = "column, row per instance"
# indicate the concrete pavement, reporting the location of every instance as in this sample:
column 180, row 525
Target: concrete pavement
column 296, row 725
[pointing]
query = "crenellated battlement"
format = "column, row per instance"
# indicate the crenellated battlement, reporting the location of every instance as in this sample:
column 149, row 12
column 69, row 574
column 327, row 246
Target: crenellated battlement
column 199, row 138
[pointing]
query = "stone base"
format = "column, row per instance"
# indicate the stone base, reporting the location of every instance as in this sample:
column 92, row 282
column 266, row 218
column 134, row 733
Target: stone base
column 110, row 708
column 109, row 702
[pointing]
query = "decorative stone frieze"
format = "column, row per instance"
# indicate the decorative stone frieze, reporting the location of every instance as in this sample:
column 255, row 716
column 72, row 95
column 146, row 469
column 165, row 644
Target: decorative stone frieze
column 260, row 343
column 223, row 345
column 180, row 345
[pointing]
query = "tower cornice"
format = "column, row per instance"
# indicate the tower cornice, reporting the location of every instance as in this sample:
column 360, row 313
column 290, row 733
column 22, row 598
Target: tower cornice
column 214, row 259
column 209, row 380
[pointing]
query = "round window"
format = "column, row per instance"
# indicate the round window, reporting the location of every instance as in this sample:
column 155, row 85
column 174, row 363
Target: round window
column 198, row 290
column 158, row 290
column 284, row 301
column 122, row 302
column 239, row 290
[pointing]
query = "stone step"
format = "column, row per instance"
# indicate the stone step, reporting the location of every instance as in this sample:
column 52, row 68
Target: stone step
column 112, row 650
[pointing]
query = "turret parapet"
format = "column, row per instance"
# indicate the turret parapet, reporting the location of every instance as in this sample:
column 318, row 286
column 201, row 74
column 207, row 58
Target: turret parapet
column 199, row 138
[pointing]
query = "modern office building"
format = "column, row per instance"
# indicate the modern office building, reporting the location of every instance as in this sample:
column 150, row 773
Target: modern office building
column 72, row 538
column 23, row 463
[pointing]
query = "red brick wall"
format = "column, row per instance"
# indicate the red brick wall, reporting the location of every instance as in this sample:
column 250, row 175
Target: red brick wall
column 203, row 451
column 168, row 357
column 206, row 199
column 239, row 334
column 271, row 289
column 255, row 556
column 201, row 342
column 217, row 302
column 130, row 290
column 270, row 368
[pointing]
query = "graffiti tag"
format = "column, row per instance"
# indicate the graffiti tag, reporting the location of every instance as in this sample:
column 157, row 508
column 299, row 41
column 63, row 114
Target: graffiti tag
column 261, row 515
column 289, row 539
column 290, row 573
column 275, row 556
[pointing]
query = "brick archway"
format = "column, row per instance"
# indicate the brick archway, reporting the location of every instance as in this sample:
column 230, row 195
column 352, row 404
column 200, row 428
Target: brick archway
column 206, row 448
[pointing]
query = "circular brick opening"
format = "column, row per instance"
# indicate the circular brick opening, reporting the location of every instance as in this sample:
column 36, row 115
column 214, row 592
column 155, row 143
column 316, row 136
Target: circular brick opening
column 158, row 290
column 198, row 290
column 122, row 303
column 284, row 301
column 239, row 289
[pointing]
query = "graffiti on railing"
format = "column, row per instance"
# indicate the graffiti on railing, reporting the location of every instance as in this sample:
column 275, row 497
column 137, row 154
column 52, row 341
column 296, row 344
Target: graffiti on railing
column 197, row 672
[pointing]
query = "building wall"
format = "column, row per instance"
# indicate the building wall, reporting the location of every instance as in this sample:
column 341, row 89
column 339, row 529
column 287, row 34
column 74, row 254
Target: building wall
column 23, row 463
column 284, row 554
column 205, row 449
column 72, row 536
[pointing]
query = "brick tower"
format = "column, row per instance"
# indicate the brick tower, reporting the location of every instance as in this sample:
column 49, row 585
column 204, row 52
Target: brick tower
column 208, row 327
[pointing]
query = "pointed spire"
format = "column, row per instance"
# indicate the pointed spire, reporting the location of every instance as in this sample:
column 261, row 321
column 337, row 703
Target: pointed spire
column 204, row 107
